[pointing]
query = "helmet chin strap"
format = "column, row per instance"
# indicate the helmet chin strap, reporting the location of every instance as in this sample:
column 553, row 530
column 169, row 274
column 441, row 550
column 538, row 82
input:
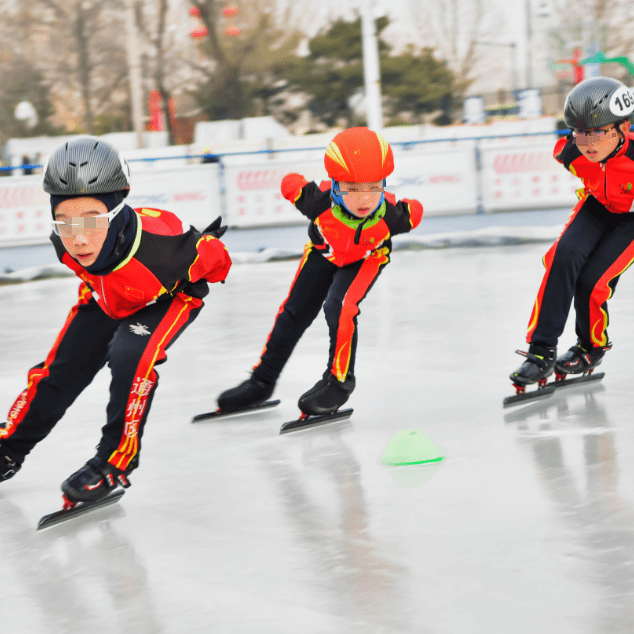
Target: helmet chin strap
column 337, row 198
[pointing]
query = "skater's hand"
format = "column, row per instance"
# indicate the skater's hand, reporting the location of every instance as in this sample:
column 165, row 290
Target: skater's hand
column 213, row 261
column 292, row 185
column 221, row 270
column 415, row 211
column 215, row 229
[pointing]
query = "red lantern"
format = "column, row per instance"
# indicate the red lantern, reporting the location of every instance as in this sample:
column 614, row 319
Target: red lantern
column 199, row 32
column 232, row 31
column 194, row 12
column 230, row 11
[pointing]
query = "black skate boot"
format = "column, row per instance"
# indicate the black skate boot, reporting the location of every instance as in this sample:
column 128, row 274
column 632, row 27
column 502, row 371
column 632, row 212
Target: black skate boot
column 539, row 365
column 95, row 480
column 248, row 394
column 8, row 466
column 580, row 359
column 327, row 395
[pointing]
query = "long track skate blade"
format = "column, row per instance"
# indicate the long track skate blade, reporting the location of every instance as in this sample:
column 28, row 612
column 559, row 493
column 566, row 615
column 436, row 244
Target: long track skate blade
column 315, row 421
column 81, row 509
column 533, row 395
column 247, row 410
column 586, row 378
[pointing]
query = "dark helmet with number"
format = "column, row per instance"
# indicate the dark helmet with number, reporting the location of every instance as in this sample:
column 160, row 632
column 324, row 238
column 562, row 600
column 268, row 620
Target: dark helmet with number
column 596, row 102
column 86, row 165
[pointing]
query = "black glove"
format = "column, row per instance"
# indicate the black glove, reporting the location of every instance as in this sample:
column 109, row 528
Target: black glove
column 215, row 229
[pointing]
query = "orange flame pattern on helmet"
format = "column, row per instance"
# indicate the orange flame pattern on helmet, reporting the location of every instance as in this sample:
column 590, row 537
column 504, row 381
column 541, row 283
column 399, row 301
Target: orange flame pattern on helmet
column 359, row 155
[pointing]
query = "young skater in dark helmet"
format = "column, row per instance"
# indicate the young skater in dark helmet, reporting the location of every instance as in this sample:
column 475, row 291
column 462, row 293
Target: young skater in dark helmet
column 144, row 275
column 352, row 220
column 597, row 242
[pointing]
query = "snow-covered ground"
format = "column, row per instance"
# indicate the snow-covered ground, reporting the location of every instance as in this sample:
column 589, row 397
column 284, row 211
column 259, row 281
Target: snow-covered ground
column 526, row 527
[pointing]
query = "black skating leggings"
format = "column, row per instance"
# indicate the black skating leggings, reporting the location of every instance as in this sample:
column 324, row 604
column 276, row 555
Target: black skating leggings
column 594, row 249
column 132, row 347
column 340, row 290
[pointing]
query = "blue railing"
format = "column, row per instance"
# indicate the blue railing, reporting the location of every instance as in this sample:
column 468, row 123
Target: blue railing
column 218, row 156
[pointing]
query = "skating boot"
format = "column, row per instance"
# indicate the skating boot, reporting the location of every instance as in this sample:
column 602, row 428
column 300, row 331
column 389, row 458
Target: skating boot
column 539, row 365
column 248, row 394
column 8, row 466
column 580, row 359
column 95, row 480
column 327, row 395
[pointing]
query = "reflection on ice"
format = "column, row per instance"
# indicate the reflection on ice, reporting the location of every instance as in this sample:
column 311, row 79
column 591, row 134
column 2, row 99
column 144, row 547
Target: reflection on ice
column 64, row 593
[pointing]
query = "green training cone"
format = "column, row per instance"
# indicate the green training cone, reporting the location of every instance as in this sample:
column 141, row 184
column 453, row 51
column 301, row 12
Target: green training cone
column 411, row 447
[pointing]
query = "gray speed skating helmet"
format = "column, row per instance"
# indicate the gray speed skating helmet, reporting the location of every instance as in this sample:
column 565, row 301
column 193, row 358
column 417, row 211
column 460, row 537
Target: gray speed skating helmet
column 596, row 102
column 86, row 165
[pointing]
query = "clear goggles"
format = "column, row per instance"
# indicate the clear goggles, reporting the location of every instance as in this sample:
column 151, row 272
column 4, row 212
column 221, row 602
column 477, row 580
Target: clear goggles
column 88, row 225
column 367, row 190
column 592, row 134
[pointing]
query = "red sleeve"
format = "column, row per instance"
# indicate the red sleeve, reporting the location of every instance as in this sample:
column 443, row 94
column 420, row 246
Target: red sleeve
column 415, row 211
column 212, row 262
column 292, row 185
column 325, row 186
column 159, row 221
column 559, row 146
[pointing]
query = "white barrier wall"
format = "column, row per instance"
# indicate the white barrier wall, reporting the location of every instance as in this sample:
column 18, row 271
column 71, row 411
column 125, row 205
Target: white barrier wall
column 445, row 177
column 25, row 211
column 443, row 181
column 525, row 177
column 191, row 192
column 253, row 192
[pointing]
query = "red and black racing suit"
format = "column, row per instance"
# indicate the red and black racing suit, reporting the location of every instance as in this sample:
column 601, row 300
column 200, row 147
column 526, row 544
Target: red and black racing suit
column 127, row 318
column 595, row 247
column 340, row 264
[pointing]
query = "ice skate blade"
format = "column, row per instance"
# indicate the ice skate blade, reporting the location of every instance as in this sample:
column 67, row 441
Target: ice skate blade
column 218, row 414
column 541, row 407
column 553, row 386
column 81, row 509
column 315, row 421
column 541, row 392
column 578, row 380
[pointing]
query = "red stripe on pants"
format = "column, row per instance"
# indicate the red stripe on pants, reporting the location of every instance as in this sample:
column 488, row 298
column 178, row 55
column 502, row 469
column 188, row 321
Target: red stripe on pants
column 548, row 260
column 145, row 377
column 601, row 293
column 20, row 407
column 350, row 309
column 307, row 249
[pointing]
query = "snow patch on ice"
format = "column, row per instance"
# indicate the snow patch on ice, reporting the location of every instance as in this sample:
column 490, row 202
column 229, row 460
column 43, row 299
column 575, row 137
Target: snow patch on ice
column 489, row 236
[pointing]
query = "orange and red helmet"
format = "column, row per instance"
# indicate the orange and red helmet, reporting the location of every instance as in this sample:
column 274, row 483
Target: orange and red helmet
column 359, row 155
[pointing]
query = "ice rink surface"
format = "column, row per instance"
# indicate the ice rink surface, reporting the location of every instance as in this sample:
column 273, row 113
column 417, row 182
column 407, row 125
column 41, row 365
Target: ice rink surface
column 526, row 527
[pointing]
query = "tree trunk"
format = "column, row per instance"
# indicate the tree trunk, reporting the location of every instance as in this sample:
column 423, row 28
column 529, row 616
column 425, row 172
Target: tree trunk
column 84, row 68
column 160, row 73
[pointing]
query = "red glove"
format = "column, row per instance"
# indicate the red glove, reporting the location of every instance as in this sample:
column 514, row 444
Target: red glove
column 213, row 261
column 220, row 272
column 292, row 185
column 415, row 211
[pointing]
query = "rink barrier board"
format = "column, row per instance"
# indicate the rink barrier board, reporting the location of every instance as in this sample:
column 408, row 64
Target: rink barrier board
column 470, row 178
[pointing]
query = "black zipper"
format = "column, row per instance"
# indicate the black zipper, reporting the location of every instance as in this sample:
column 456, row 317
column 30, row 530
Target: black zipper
column 357, row 233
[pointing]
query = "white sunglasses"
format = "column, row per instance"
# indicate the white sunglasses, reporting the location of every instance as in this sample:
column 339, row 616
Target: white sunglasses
column 86, row 224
